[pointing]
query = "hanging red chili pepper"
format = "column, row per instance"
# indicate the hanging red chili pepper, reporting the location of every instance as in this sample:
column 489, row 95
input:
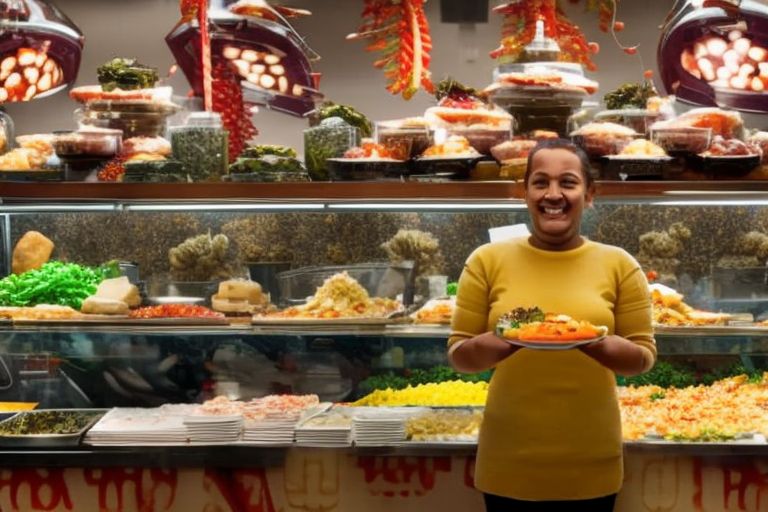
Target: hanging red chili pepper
column 236, row 115
column 518, row 29
column 400, row 31
column 222, row 92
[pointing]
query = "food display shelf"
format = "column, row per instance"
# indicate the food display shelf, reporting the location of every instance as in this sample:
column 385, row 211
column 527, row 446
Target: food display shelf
column 237, row 456
column 335, row 192
column 670, row 340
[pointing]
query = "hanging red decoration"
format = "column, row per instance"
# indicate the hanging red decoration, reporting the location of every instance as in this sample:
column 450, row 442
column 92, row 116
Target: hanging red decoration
column 399, row 30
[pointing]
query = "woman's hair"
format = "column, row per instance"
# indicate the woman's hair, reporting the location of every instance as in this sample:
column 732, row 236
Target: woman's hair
column 586, row 168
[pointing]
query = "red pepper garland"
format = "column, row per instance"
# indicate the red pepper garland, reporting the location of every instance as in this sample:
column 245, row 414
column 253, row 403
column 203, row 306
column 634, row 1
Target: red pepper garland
column 226, row 96
column 519, row 27
column 235, row 113
column 399, row 29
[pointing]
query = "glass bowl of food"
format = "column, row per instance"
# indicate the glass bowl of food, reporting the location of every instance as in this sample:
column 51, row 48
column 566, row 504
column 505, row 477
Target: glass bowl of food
column 601, row 139
column 83, row 151
column 682, row 141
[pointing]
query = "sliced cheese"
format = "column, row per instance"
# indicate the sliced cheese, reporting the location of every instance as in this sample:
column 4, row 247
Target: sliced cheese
column 103, row 306
column 121, row 289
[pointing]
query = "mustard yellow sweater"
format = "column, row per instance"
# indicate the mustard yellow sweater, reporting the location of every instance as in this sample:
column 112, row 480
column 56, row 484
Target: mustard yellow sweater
column 552, row 429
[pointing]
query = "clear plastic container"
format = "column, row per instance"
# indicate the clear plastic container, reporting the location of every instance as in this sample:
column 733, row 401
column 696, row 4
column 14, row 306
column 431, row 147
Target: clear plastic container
column 638, row 119
column 380, row 279
column 85, row 151
column 682, row 141
column 330, row 139
column 201, row 145
column 134, row 118
column 400, row 133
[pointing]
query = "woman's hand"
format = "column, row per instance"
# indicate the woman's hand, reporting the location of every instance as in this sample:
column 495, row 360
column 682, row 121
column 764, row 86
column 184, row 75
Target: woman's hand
column 619, row 355
column 480, row 353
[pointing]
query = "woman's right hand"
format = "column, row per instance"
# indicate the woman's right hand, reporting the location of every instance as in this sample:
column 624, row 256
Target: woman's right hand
column 480, row 353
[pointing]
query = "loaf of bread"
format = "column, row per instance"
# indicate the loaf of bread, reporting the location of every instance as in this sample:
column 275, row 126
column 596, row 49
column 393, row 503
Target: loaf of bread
column 31, row 252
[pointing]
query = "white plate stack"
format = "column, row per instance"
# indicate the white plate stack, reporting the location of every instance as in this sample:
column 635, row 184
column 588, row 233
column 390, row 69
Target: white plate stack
column 373, row 426
column 161, row 426
column 270, row 431
column 329, row 430
column 205, row 429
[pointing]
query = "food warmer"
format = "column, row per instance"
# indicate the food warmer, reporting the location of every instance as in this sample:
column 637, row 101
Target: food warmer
column 40, row 50
column 715, row 52
column 270, row 58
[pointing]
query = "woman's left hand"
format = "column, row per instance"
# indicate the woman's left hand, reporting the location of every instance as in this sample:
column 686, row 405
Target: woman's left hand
column 619, row 355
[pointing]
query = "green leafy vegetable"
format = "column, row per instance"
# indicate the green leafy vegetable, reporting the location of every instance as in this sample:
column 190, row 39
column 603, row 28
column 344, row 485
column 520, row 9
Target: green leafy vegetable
column 64, row 284
column 267, row 163
column 630, row 95
column 452, row 289
column 269, row 149
column 126, row 74
column 448, row 87
column 520, row 316
column 348, row 114
column 110, row 269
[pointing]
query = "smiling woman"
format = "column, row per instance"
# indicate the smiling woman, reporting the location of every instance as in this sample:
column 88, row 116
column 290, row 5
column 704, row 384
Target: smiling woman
column 558, row 186
column 552, row 415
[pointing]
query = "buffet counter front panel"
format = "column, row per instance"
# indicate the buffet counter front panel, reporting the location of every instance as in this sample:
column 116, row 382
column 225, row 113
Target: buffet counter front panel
column 331, row 480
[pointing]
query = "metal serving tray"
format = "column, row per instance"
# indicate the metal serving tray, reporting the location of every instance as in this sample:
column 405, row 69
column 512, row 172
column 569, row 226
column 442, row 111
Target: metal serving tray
column 48, row 440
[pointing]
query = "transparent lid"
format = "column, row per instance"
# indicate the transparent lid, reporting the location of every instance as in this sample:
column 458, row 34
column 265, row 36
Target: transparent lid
column 204, row 119
column 541, row 44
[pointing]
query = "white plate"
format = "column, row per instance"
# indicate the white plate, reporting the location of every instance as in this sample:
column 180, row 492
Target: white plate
column 548, row 345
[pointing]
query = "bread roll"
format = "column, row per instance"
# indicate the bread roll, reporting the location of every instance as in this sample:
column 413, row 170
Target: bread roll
column 31, row 252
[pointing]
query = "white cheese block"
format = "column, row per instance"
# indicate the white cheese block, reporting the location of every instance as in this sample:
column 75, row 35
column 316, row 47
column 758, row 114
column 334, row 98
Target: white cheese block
column 241, row 290
column 121, row 289
column 103, row 306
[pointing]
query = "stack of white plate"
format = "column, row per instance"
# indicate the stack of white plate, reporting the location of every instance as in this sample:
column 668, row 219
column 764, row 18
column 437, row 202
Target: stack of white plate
column 270, row 431
column 372, row 426
column 205, row 429
column 329, row 430
column 378, row 432
column 137, row 426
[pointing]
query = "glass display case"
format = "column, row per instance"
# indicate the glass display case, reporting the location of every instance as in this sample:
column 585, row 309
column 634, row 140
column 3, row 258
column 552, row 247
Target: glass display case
column 689, row 236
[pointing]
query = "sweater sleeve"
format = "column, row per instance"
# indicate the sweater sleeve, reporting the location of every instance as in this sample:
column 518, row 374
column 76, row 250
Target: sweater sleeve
column 471, row 315
column 633, row 314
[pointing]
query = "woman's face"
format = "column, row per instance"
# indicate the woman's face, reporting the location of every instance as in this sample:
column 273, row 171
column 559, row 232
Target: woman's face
column 556, row 194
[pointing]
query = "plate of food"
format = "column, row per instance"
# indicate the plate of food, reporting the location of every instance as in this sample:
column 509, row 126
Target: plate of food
column 532, row 328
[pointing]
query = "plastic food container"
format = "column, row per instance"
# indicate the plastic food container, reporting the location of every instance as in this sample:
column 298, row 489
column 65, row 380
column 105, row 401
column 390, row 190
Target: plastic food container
column 380, row 279
column 482, row 139
column 135, row 119
column 638, row 119
column 202, row 146
column 682, row 141
column 82, row 152
column 538, row 108
column 398, row 134
column 596, row 145
column 330, row 139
